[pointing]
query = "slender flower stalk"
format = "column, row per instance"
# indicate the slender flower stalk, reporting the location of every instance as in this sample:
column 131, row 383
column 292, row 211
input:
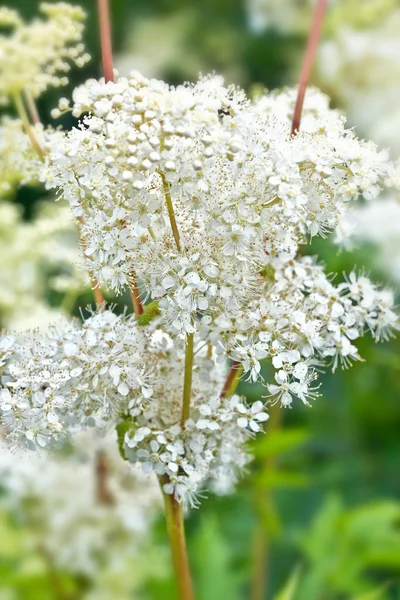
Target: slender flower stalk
column 107, row 60
column 32, row 108
column 97, row 293
column 103, row 492
column 135, row 295
column 263, row 502
column 188, row 376
column 19, row 105
column 313, row 39
column 105, row 38
column 171, row 212
column 232, row 379
column 176, row 534
column 55, row 580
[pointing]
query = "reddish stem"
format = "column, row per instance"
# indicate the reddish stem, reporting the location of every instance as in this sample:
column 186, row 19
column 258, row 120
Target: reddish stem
column 308, row 63
column 103, row 492
column 230, row 378
column 135, row 294
column 107, row 59
column 105, row 39
column 97, row 293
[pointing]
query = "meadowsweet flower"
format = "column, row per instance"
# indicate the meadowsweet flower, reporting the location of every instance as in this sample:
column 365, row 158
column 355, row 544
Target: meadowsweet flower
column 199, row 191
column 201, row 200
column 37, row 55
column 111, row 372
column 38, row 256
column 67, row 512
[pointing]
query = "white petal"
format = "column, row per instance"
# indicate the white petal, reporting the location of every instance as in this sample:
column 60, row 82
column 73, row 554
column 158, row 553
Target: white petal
column 123, row 388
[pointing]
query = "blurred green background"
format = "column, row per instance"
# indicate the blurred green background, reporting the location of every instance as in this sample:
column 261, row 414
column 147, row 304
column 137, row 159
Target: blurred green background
column 317, row 517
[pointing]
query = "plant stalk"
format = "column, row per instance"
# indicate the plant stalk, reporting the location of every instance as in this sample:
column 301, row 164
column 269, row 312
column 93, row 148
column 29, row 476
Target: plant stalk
column 171, row 213
column 232, row 379
column 261, row 537
column 177, row 541
column 105, row 39
column 32, row 108
column 135, row 294
column 97, row 293
column 187, row 381
column 312, row 44
column 19, row 105
column 103, row 492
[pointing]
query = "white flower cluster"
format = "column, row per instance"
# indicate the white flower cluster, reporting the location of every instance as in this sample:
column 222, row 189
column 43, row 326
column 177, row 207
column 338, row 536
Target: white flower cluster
column 17, row 157
column 111, row 370
column 38, row 54
column 282, row 15
column 204, row 195
column 203, row 199
column 378, row 223
column 38, row 257
column 361, row 65
column 86, row 511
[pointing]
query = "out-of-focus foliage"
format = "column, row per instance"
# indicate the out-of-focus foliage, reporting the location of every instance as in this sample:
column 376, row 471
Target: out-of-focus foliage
column 322, row 499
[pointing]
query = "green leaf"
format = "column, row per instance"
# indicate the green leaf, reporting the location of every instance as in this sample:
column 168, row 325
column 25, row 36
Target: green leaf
column 291, row 586
column 213, row 559
column 278, row 442
column 122, row 428
column 279, row 478
column 268, row 515
column 376, row 594
column 150, row 312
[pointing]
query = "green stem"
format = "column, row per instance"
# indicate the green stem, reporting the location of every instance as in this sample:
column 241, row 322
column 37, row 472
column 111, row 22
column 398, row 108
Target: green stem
column 187, row 382
column 32, row 108
column 68, row 302
column 151, row 232
column 177, row 541
column 263, row 502
column 19, row 105
column 232, row 379
column 170, row 208
column 55, row 579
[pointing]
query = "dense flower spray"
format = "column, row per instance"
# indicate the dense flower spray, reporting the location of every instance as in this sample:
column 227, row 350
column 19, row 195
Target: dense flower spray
column 199, row 200
column 77, row 508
